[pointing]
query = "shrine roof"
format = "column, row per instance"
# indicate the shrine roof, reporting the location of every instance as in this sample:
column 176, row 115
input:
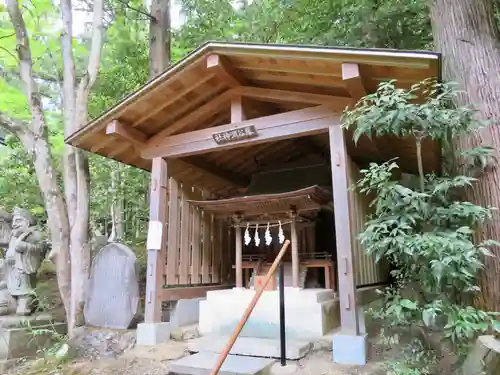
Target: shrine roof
column 195, row 93
column 307, row 199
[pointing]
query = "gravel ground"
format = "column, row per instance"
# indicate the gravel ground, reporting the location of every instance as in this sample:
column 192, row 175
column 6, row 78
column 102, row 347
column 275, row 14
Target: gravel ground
column 154, row 361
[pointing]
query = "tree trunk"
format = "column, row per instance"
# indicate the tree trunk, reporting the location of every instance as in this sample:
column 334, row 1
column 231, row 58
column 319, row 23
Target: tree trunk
column 467, row 35
column 117, row 231
column 159, row 37
column 76, row 167
column 34, row 137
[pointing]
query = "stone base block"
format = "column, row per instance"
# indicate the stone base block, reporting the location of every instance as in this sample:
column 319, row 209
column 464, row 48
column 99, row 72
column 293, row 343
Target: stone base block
column 320, row 306
column 350, row 349
column 6, row 364
column 185, row 312
column 153, row 333
column 19, row 339
column 250, row 346
column 203, row 363
column 484, row 358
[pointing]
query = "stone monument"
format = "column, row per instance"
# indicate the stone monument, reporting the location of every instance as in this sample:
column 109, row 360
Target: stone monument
column 113, row 295
column 21, row 261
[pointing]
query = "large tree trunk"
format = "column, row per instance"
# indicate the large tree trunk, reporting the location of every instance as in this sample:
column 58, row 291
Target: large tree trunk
column 159, row 37
column 35, row 141
column 68, row 219
column 466, row 34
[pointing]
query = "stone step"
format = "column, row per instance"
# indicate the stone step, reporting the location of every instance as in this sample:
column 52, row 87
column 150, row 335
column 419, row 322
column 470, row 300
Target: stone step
column 250, row 346
column 203, row 363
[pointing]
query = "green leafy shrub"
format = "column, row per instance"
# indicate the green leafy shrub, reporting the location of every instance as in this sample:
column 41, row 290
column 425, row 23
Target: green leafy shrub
column 427, row 234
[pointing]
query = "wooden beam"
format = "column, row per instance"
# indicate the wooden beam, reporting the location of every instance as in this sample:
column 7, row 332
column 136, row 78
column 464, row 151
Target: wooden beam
column 222, row 69
column 127, row 133
column 208, row 175
column 189, row 292
column 200, row 113
column 353, row 81
column 279, row 96
column 157, row 241
column 345, row 257
column 237, row 109
column 235, row 178
column 287, row 125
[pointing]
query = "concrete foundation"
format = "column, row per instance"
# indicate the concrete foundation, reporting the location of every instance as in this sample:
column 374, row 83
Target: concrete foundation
column 309, row 313
column 18, row 339
column 203, row 363
column 251, row 346
column 484, row 357
column 350, row 349
column 185, row 312
column 153, row 333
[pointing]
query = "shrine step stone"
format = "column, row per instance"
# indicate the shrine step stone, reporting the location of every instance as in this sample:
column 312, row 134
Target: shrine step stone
column 203, row 363
column 250, row 346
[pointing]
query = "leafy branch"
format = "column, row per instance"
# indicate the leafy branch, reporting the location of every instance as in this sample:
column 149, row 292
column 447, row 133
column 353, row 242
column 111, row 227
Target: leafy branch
column 427, row 234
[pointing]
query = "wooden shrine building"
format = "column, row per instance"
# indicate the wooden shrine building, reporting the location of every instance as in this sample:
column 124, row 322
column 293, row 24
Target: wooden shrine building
column 245, row 145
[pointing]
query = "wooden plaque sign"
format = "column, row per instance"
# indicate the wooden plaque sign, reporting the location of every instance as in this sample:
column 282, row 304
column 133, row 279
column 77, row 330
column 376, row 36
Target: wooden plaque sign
column 235, row 135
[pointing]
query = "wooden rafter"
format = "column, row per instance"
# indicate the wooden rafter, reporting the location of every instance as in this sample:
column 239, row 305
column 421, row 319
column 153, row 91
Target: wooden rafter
column 270, row 128
column 172, row 99
column 235, row 178
column 134, row 137
column 279, row 96
column 202, row 112
column 223, row 70
column 119, row 150
column 353, row 81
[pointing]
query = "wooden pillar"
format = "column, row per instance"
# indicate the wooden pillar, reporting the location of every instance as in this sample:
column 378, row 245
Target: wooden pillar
column 345, row 258
column 156, row 242
column 239, row 254
column 295, row 252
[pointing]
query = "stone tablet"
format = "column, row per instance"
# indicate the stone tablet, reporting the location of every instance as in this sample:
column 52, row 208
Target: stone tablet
column 113, row 295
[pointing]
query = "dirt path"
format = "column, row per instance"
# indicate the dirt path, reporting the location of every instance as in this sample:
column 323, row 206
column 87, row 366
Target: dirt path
column 155, row 360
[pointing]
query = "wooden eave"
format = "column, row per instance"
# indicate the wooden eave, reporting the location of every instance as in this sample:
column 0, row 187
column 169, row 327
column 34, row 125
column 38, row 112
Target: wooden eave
column 307, row 199
column 196, row 93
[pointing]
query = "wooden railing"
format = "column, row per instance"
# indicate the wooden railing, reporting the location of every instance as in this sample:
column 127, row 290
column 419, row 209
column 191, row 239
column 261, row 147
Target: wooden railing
column 249, row 310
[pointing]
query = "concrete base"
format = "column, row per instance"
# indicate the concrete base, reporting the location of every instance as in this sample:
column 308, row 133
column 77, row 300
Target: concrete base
column 185, row 312
column 153, row 333
column 17, row 339
column 484, row 358
column 319, row 306
column 349, row 349
column 6, row 364
column 203, row 363
column 250, row 346
column 289, row 368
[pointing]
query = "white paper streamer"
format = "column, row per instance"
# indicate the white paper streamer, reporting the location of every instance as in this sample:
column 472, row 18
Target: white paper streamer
column 281, row 235
column 256, row 238
column 268, row 236
column 247, row 237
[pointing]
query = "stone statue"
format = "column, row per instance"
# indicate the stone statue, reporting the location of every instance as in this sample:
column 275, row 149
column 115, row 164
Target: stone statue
column 5, row 229
column 21, row 262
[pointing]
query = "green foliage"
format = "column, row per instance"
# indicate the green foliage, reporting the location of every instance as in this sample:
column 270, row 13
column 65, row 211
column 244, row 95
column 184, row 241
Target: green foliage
column 426, row 234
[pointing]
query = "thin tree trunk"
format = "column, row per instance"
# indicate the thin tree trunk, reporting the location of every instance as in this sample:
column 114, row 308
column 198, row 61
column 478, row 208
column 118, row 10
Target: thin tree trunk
column 76, row 168
column 466, row 33
column 117, row 231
